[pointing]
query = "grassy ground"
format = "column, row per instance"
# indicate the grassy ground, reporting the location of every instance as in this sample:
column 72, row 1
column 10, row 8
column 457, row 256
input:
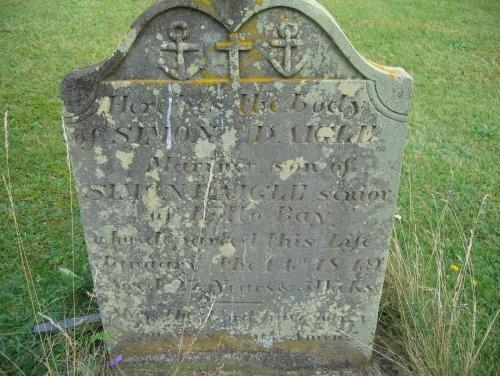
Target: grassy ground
column 451, row 161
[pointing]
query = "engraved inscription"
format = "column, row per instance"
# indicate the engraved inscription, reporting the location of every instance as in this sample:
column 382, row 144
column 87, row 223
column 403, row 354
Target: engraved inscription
column 254, row 100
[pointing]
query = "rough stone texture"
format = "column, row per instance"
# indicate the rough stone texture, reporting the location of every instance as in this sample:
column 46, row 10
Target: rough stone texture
column 377, row 368
column 237, row 166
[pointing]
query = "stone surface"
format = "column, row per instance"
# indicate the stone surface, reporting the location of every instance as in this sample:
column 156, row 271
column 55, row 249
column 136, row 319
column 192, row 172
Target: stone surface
column 377, row 368
column 237, row 166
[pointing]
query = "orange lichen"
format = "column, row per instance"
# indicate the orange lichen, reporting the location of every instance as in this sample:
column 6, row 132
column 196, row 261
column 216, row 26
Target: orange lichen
column 222, row 341
column 209, row 80
column 393, row 72
column 213, row 342
column 265, row 80
column 249, row 58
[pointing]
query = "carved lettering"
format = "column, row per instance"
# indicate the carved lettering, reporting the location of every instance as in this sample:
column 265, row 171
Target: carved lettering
column 345, row 106
column 172, row 165
column 254, row 104
column 289, row 216
column 369, row 264
column 111, row 262
column 119, row 192
column 350, row 243
column 265, row 135
column 335, row 287
column 348, row 133
column 86, row 139
column 283, row 240
column 333, row 168
column 356, row 195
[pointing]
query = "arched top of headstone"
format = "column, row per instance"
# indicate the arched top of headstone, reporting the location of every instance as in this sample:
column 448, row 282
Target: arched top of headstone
column 265, row 39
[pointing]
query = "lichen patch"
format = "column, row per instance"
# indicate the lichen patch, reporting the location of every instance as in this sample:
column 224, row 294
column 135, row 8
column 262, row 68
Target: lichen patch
column 125, row 159
column 104, row 106
column 227, row 250
column 229, row 141
column 204, row 150
column 290, row 167
column 128, row 41
column 99, row 156
column 173, row 287
column 349, row 88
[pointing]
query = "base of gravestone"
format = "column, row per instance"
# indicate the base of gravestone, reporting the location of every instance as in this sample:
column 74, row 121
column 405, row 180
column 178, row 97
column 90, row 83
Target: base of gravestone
column 151, row 368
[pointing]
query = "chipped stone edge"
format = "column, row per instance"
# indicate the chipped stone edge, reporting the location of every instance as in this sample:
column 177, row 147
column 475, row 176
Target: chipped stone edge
column 391, row 90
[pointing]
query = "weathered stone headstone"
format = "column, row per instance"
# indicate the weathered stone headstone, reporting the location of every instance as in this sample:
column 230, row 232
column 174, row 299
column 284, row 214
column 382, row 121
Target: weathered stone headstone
column 237, row 165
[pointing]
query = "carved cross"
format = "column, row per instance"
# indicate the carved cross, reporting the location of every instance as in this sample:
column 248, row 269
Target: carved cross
column 233, row 47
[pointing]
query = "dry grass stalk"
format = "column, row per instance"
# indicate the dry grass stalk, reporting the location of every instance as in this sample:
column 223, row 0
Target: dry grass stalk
column 77, row 355
column 27, row 273
column 201, row 228
column 430, row 306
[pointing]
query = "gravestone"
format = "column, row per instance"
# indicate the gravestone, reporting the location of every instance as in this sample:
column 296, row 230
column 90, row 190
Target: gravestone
column 237, row 167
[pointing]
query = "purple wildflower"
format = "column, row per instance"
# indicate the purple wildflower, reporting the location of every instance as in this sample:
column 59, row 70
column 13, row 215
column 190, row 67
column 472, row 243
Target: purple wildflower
column 115, row 361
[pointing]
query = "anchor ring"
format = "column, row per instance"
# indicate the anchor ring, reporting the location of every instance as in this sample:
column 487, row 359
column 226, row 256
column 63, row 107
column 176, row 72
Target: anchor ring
column 178, row 31
column 288, row 29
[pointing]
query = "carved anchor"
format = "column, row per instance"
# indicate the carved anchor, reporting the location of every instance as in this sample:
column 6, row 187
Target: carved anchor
column 178, row 32
column 288, row 31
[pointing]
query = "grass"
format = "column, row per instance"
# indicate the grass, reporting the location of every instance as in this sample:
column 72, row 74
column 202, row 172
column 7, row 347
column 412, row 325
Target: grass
column 433, row 316
column 430, row 311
